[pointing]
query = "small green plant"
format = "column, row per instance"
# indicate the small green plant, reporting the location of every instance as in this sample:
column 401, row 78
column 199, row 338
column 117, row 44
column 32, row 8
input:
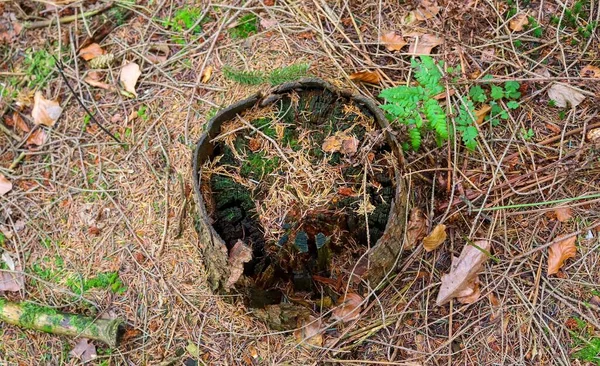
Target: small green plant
column 141, row 112
column 38, row 65
column 277, row 76
column 527, row 134
column 105, row 280
column 587, row 345
column 247, row 26
column 187, row 19
column 535, row 27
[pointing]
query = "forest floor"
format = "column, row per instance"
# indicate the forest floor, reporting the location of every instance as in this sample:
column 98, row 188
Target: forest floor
column 93, row 227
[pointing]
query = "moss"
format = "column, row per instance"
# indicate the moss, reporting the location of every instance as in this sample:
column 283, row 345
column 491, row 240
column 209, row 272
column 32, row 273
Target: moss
column 31, row 312
column 104, row 280
column 247, row 25
column 257, row 165
column 80, row 323
column 265, row 126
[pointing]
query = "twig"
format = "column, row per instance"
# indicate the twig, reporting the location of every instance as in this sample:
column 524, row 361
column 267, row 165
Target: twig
column 9, row 133
column 67, row 19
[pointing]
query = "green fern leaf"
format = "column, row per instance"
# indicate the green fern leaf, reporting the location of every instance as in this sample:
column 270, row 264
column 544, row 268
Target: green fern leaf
column 414, row 135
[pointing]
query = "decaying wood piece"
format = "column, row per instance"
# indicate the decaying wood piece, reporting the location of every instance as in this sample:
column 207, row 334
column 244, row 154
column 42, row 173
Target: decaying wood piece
column 31, row 316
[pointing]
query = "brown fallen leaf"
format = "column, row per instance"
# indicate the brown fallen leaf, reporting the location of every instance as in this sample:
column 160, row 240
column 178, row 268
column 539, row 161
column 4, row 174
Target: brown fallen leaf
column 595, row 300
column 129, row 77
column 371, row 77
column 563, row 94
column 349, row 145
column 45, row 111
column 481, row 113
column 590, row 71
column 5, row 185
column 239, row 254
column 16, row 121
column 417, row 226
column 346, row 191
column 393, row 41
column 463, row 271
column 254, row 144
column 158, row 53
column 559, row 252
column 37, row 138
column 14, row 280
column 310, row 332
column 424, row 44
column 84, row 350
column 332, row 144
column 9, row 30
column 593, row 136
column 563, row 214
column 92, row 51
column 518, row 22
column 348, row 308
column 474, row 293
column 427, row 9
column 206, row 74
column 98, row 84
column 435, row 238
column 268, row 23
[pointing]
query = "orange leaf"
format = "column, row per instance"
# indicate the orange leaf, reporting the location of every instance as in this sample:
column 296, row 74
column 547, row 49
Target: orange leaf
column 45, row 111
column 481, row 113
column 392, row 41
column 424, row 44
column 92, row 51
column 590, row 71
column 37, row 138
column 559, row 252
column 371, row 77
column 348, row 308
column 435, row 238
column 346, row 191
column 518, row 22
column 206, row 74
column 563, row 214
column 332, row 144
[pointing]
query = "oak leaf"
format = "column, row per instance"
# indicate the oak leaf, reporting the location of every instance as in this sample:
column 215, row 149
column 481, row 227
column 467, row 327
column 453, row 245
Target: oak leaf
column 392, row 41
column 45, row 111
column 92, row 51
column 5, row 185
column 416, row 230
column 559, row 252
column 239, row 254
column 518, row 22
column 424, row 44
column 348, row 308
column 129, row 77
column 463, row 272
column 371, row 77
column 435, row 238
column 563, row 94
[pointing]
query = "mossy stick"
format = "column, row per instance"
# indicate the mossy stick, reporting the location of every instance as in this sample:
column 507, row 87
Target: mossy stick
column 31, row 316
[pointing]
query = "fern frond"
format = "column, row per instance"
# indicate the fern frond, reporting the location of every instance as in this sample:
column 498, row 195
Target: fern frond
column 436, row 117
column 414, row 134
column 288, row 73
column 244, row 77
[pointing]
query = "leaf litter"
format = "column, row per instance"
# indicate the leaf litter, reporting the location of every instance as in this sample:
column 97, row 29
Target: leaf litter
column 559, row 252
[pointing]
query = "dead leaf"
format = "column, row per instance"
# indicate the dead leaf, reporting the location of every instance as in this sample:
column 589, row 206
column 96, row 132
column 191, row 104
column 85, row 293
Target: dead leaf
column 393, row 41
column 346, row 191
column 563, row 94
column 45, row 111
column 463, row 271
column 518, row 22
column 563, row 214
column 435, row 238
column 424, row 44
column 348, row 308
column 206, row 74
column 239, row 254
column 254, row 144
column 129, row 77
column 98, row 84
column 349, row 145
column 371, row 77
column 559, row 252
column 14, row 280
column 9, row 30
column 488, row 55
column 310, row 332
column 473, row 296
column 595, row 300
column 594, row 135
column 5, row 185
column 427, row 9
column 37, row 138
column 158, row 53
column 84, row 350
column 417, row 226
column 590, row 71
column 92, row 51
column 332, row 144
column 481, row 113
column 16, row 121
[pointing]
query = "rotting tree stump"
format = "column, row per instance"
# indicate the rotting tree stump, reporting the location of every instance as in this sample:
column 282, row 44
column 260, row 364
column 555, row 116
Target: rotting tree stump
column 299, row 191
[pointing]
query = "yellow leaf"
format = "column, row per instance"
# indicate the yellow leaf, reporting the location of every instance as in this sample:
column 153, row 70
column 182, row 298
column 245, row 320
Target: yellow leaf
column 518, row 22
column 90, row 52
column 563, row 214
column 435, row 238
column 371, row 77
column 424, row 44
column 45, row 111
column 481, row 113
column 129, row 77
column 348, row 308
column 5, row 185
column 392, row 41
column 559, row 252
column 206, row 74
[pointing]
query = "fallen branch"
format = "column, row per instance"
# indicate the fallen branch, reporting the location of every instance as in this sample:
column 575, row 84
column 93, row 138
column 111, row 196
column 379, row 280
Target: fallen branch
column 31, row 316
column 67, row 19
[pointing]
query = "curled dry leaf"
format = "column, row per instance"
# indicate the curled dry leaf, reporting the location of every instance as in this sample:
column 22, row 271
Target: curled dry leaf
column 45, row 111
column 206, row 74
column 129, row 77
column 463, row 271
column 593, row 136
column 563, row 94
column 349, row 146
column 239, row 254
column 424, row 44
column 417, row 226
column 481, row 113
column 427, row 9
column 348, row 308
column 310, row 332
column 98, row 84
column 435, row 238
column 474, row 292
column 590, row 71
column 392, row 41
column 5, row 185
column 518, row 22
column 37, row 138
column 92, row 51
column 16, row 121
column 371, row 77
column 84, row 350
column 563, row 214
column 559, row 252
